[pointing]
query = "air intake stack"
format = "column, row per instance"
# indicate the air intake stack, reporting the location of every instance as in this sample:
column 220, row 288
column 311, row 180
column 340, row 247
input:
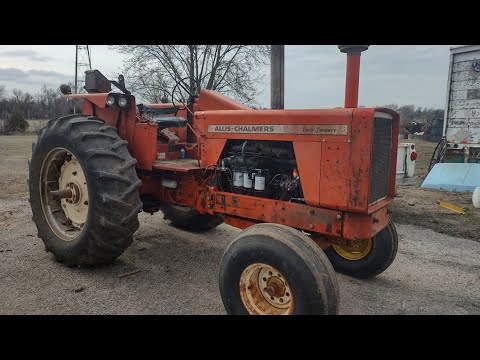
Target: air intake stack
column 353, row 72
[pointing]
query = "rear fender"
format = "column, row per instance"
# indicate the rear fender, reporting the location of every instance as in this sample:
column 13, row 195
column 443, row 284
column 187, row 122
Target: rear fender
column 124, row 119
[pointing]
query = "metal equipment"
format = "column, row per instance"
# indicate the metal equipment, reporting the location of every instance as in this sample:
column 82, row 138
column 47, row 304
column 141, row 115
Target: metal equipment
column 310, row 188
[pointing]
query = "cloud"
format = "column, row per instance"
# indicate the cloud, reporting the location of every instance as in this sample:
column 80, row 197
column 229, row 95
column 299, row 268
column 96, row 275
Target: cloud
column 12, row 74
column 314, row 75
column 31, row 80
column 409, row 74
column 47, row 73
column 31, row 55
column 9, row 74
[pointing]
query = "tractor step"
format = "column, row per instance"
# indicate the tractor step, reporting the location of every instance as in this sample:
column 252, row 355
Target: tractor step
column 180, row 165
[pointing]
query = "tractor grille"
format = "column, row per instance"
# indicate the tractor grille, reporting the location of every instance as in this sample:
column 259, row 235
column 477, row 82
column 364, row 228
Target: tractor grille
column 380, row 159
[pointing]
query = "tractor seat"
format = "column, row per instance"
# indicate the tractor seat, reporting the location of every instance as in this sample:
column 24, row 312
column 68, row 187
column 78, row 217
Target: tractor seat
column 169, row 121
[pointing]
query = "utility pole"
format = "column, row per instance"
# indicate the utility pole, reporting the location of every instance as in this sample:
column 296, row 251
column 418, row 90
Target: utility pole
column 277, row 76
column 83, row 62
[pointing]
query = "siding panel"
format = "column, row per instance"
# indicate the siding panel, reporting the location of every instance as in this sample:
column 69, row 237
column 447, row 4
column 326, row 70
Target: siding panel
column 463, row 113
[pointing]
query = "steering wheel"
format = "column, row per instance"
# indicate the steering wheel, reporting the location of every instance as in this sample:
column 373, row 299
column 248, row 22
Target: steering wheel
column 180, row 83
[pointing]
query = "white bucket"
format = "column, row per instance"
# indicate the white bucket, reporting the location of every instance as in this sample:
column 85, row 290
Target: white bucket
column 476, row 197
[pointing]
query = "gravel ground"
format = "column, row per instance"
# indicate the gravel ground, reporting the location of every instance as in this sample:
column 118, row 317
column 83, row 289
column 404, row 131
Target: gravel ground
column 432, row 274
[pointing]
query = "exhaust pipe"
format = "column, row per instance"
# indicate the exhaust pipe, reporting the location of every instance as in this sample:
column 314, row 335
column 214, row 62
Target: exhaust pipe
column 353, row 72
column 277, row 76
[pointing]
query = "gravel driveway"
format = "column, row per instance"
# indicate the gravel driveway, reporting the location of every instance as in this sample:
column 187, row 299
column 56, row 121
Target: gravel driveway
column 432, row 274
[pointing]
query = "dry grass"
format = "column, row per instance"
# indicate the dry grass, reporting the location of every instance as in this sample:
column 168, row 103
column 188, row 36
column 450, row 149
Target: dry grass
column 417, row 206
column 33, row 125
column 14, row 153
column 413, row 205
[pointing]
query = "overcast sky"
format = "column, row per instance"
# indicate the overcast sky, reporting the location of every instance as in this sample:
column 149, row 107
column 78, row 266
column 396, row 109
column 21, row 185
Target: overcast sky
column 314, row 74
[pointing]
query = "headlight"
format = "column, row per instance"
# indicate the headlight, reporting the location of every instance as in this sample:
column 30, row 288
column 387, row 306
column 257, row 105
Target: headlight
column 122, row 101
column 110, row 100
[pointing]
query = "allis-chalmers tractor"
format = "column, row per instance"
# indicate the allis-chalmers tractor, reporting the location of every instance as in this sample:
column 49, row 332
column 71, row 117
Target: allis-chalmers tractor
column 310, row 188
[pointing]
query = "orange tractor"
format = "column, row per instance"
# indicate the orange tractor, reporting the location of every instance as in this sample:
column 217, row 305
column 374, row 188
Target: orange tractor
column 310, row 188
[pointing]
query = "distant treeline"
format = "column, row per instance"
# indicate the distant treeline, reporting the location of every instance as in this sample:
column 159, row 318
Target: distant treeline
column 412, row 113
column 47, row 103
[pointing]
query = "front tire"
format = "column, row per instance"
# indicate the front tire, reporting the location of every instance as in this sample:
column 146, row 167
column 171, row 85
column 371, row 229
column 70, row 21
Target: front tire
column 271, row 269
column 370, row 258
column 96, row 223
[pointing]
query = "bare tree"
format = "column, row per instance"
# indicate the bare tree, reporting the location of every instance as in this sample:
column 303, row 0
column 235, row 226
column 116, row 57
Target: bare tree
column 51, row 102
column 22, row 101
column 418, row 116
column 3, row 105
column 152, row 70
column 17, row 96
column 46, row 103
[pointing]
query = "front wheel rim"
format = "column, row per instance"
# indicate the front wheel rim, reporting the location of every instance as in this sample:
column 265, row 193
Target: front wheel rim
column 265, row 291
column 65, row 216
column 354, row 250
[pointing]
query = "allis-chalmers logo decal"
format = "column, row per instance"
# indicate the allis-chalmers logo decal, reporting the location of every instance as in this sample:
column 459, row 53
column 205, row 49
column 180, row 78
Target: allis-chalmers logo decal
column 307, row 129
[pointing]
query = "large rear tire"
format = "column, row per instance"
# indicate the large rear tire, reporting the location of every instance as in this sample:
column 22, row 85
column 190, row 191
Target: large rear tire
column 95, row 222
column 189, row 219
column 272, row 269
column 368, row 258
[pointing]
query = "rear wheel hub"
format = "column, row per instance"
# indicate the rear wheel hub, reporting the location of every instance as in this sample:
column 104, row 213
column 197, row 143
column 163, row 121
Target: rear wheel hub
column 64, row 194
column 73, row 178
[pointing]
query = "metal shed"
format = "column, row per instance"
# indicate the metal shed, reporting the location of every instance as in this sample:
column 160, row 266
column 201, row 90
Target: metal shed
column 461, row 126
